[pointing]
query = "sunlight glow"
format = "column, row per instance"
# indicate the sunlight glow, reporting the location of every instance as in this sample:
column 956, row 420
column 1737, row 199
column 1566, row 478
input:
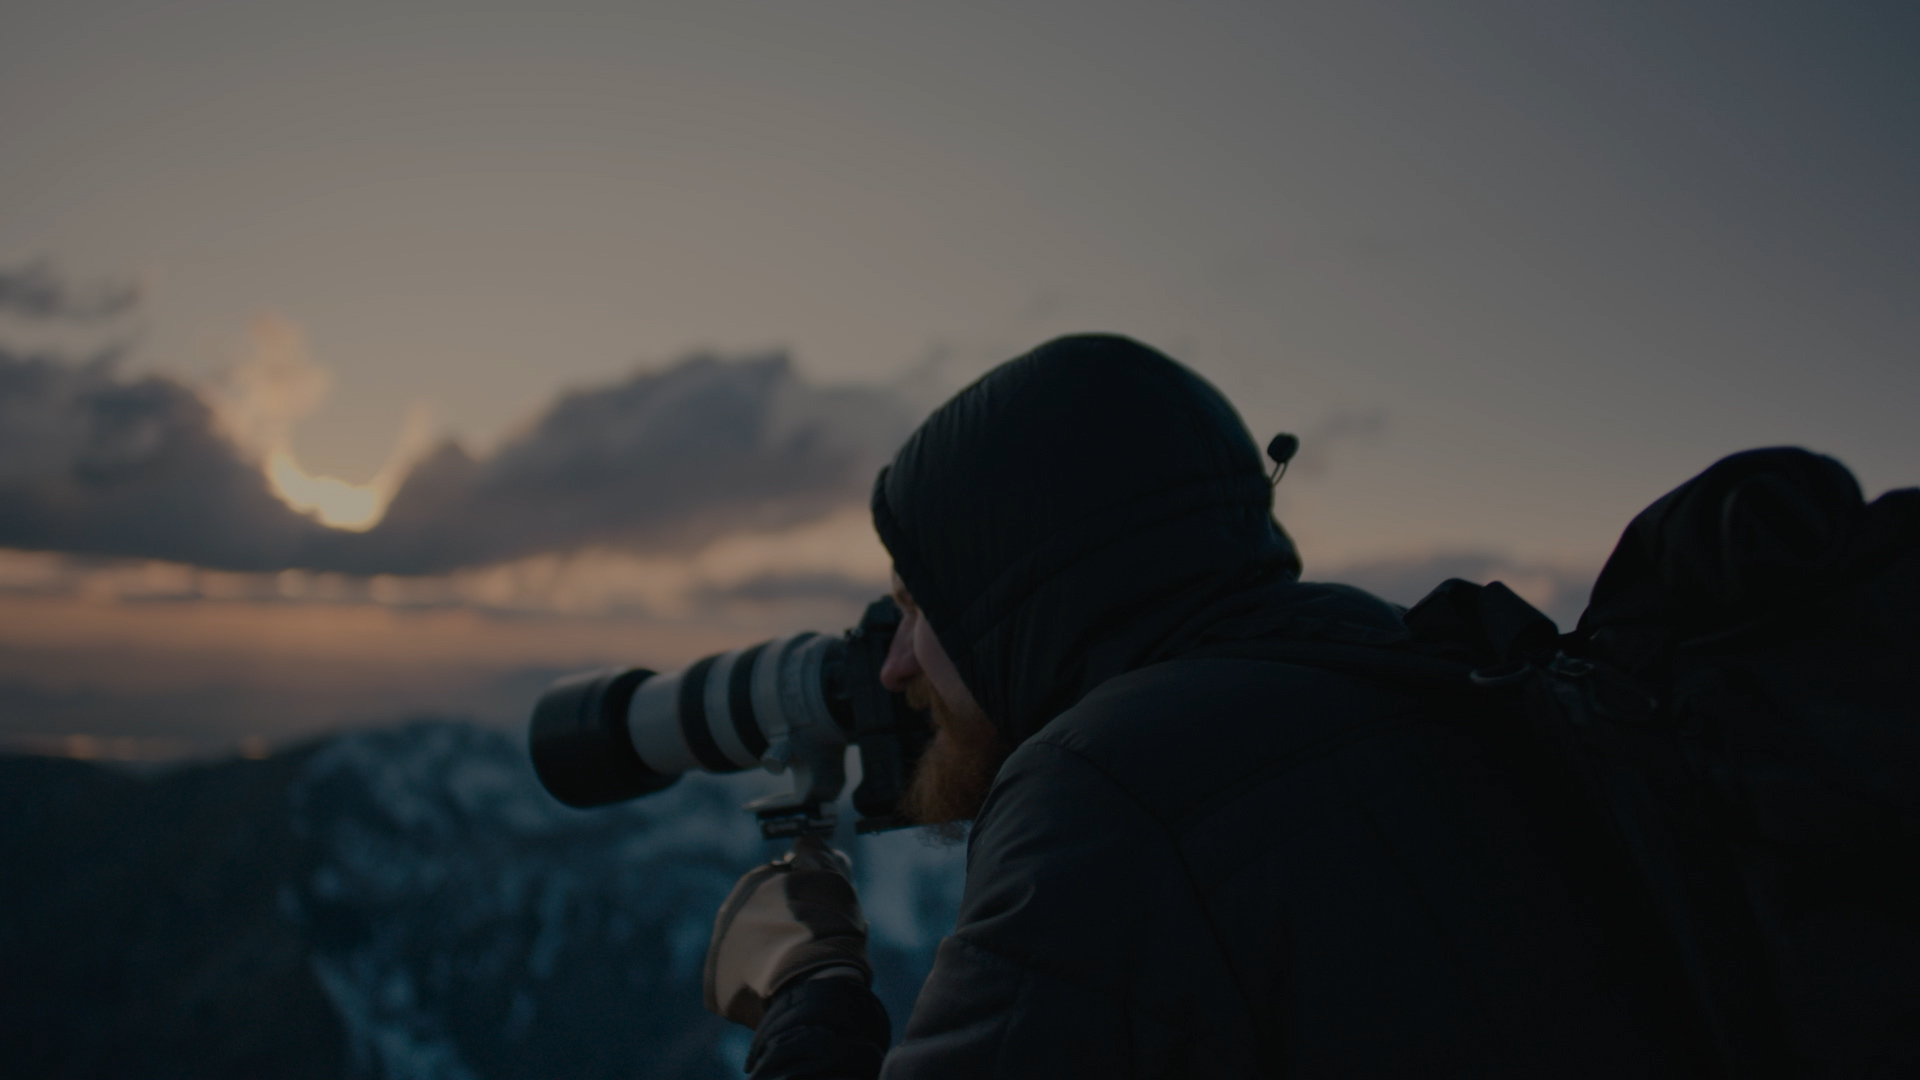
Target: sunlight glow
column 262, row 396
column 355, row 507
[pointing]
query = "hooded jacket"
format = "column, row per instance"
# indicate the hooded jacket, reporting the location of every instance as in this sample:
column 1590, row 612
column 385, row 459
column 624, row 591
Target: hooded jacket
column 1195, row 864
column 1067, row 513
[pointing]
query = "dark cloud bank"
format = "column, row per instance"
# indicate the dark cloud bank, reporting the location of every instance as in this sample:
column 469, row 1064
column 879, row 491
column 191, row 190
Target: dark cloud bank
column 93, row 461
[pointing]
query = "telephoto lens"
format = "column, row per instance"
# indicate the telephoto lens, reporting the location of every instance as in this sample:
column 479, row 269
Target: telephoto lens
column 791, row 705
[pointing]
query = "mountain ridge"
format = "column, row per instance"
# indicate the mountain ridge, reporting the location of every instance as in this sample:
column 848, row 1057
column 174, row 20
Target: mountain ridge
column 403, row 902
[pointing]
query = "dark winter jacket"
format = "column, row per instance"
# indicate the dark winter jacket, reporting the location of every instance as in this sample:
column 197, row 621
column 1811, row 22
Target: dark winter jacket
column 1199, row 866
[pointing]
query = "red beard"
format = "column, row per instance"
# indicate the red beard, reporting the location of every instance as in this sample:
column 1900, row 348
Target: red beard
column 954, row 775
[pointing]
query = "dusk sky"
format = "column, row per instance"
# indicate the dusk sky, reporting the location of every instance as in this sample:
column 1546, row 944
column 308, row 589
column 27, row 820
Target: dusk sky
column 675, row 278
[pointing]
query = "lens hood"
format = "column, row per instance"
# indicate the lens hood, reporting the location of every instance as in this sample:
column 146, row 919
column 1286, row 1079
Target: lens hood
column 579, row 741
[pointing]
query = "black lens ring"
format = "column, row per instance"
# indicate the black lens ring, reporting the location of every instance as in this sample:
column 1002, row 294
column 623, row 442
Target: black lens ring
column 694, row 727
column 740, row 702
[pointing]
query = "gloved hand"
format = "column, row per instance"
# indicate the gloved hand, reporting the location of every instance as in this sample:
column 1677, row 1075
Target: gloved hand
column 786, row 921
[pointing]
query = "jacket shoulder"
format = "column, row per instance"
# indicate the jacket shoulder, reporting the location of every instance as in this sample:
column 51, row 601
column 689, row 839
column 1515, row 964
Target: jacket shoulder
column 1172, row 735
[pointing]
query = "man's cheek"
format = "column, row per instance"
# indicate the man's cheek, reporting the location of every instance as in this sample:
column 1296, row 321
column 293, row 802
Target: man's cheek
column 900, row 663
column 926, row 646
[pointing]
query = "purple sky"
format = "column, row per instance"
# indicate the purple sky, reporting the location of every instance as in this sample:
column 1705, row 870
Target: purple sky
column 1511, row 272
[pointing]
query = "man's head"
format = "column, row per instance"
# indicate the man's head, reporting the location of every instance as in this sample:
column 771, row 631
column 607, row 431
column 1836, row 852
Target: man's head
column 1058, row 519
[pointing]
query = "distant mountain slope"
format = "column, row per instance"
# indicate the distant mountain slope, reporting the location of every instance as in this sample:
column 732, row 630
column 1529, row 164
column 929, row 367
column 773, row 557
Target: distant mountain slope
column 140, row 928
column 402, row 903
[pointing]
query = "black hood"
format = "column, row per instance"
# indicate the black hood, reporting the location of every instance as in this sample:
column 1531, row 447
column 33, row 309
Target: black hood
column 1063, row 518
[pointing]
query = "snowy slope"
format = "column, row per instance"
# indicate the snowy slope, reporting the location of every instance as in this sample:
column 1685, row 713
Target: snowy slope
column 460, row 923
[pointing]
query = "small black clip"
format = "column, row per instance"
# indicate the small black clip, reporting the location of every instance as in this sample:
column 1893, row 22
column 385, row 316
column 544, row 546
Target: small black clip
column 1281, row 450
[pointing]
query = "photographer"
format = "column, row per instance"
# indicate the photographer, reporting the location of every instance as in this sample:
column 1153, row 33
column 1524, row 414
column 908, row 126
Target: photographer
column 1182, row 862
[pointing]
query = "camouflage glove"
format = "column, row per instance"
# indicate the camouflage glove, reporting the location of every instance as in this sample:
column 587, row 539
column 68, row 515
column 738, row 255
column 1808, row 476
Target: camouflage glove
column 791, row 919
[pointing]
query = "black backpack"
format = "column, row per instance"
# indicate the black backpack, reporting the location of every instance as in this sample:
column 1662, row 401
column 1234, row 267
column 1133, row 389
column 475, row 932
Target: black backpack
column 1733, row 734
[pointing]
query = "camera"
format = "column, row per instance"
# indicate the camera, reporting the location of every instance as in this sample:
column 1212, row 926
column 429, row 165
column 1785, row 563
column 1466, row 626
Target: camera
column 792, row 705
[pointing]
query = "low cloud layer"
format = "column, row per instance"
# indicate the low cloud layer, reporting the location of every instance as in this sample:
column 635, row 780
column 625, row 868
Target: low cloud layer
column 93, row 461
column 1559, row 591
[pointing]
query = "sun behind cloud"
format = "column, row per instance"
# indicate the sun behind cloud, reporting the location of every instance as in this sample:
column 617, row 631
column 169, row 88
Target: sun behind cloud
column 260, row 399
column 343, row 504
column 335, row 502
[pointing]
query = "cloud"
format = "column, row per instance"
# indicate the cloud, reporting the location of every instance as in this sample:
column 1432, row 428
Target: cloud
column 259, row 399
column 1355, row 426
column 1559, row 591
column 94, row 462
column 234, row 667
column 35, row 291
column 664, row 462
column 820, row 573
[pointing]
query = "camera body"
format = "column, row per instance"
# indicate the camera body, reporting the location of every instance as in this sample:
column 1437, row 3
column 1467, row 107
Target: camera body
column 792, row 705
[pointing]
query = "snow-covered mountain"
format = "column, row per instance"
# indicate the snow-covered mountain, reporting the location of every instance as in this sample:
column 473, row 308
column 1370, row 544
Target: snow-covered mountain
column 403, row 903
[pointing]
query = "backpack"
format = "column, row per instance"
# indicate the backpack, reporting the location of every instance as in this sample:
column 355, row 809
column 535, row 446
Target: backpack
column 1733, row 733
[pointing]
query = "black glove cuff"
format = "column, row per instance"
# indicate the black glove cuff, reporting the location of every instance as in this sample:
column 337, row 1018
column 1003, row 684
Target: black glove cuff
column 818, row 956
column 832, row 1023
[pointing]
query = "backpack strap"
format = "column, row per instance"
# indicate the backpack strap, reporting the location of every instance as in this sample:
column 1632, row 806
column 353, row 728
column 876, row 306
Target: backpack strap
column 1462, row 637
column 1397, row 666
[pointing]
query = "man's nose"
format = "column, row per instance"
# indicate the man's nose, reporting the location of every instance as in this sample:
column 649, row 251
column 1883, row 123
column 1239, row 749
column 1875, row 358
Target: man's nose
column 902, row 665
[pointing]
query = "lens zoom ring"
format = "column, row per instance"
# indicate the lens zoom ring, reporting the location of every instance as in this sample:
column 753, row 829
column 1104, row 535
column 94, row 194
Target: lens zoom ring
column 693, row 719
column 740, row 701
